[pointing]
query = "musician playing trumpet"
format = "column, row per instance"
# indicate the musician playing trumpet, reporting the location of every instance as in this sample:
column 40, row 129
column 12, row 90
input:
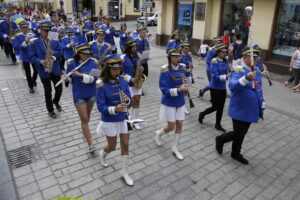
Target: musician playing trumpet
column 113, row 97
column 21, row 42
column 99, row 47
column 84, row 87
column 173, row 88
column 40, row 49
column 133, row 69
column 110, row 32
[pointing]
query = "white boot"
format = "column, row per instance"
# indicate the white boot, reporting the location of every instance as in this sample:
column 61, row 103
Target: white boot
column 174, row 147
column 103, row 159
column 135, row 114
column 158, row 135
column 125, row 174
column 186, row 99
column 186, row 111
column 130, row 114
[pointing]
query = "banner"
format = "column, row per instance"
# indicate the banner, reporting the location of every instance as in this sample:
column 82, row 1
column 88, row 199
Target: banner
column 185, row 14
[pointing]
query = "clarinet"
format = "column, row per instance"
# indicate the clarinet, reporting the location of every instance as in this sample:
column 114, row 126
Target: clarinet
column 123, row 102
column 184, row 79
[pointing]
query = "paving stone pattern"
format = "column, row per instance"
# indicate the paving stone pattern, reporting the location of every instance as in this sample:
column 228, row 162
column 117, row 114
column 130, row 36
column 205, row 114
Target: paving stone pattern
column 65, row 167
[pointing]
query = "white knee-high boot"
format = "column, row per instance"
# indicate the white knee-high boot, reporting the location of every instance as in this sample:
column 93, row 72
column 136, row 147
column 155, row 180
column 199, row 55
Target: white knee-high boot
column 174, row 147
column 125, row 174
column 136, row 116
column 158, row 135
column 186, row 99
column 103, row 159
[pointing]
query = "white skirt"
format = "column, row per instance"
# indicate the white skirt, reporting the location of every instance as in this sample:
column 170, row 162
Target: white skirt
column 112, row 129
column 171, row 114
column 135, row 92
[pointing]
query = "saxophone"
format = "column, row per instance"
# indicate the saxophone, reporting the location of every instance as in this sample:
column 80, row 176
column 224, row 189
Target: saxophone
column 49, row 58
column 139, row 76
column 11, row 31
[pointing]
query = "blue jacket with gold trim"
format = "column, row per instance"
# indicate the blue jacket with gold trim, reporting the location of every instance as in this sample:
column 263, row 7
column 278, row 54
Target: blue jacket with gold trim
column 218, row 72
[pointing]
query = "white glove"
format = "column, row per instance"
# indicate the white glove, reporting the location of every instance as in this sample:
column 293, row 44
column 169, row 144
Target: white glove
column 24, row 44
column 68, row 45
column 5, row 36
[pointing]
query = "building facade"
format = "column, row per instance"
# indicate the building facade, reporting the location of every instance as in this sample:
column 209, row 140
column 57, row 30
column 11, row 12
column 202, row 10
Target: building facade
column 275, row 24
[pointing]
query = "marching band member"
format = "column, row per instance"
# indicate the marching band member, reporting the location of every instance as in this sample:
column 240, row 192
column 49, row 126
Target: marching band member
column 110, row 33
column 84, row 88
column 175, row 41
column 98, row 23
column 123, row 36
column 79, row 32
column 131, row 67
column 89, row 29
column 98, row 47
column 246, row 104
column 219, row 70
column 35, row 25
column 113, row 97
column 173, row 88
column 186, row 59
column 39, row 50
column 21, row 42
column 68, row 44
column 209, row 57
column 6, row 27
column 143, row 45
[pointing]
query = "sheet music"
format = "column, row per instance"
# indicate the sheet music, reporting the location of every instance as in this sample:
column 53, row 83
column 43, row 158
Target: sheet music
column 146, row 54
column 53, row 36
column 95, row 72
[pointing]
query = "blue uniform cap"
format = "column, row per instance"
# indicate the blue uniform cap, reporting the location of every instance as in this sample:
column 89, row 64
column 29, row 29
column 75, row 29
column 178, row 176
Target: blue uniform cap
column 130, row 42
column 185, row 44
column 23, row 24
column 69, row 30
column 100, row 30
column 141, row 28
column 217, row 39
column 113, row 60
column 45, row 25
column 83, row 48
column 221, row 47
column 255, row 48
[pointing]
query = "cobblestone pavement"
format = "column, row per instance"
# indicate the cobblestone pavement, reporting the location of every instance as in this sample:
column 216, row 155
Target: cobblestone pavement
column 63, row 167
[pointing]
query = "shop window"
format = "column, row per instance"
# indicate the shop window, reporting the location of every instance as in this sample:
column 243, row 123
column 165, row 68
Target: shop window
column 136, row 5
column 287, row 31
column 234, row 18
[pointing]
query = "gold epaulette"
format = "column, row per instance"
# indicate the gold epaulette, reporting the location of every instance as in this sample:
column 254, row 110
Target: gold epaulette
column 214, row 61
column 126, row 77
column 164, row 68
column 238, row 69
column 68, row 62
column 99, row 83
column 32, row 41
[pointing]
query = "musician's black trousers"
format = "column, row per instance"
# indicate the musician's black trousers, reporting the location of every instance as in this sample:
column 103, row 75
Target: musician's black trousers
column 30, row 79
column 9, row 51
column 62, row 63
column 240, row 129
column 146, row 70
column 1, row 43
column 48, row 91
column 218, row 98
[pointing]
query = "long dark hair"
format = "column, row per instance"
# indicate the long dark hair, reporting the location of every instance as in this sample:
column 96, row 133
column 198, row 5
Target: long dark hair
column 76, row 56
column 217, row 53
column 106, row 75
column 170, row 68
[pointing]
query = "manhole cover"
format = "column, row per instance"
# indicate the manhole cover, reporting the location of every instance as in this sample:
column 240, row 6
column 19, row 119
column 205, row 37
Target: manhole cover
column 22, row 156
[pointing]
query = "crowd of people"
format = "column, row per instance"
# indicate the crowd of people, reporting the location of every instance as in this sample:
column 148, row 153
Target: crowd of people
column 85, row 54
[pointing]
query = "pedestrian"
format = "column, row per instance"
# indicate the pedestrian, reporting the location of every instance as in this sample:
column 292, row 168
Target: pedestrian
column 202, row 50
column 217, row 40
column 226, row 38
column 236, row 50
column 294, row 67
column 100, row 12
column 84, row 87
column 173, row 88
column 40, row 49
column 219, row 71
column 113, row 98
column 246, row 104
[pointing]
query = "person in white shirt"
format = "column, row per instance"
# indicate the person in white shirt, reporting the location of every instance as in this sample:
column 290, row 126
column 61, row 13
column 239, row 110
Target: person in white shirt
column 202, row 51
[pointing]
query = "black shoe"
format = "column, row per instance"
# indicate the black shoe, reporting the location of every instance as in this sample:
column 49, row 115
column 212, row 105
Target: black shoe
column 58, row 107
column 240, row 158
column 220, row 128
column 200, row 118
column 143, row 94
column 14, row 63
column 219, row 145
column 201, row 93
column 52, row 115
column 31, row 90
column 34, row 84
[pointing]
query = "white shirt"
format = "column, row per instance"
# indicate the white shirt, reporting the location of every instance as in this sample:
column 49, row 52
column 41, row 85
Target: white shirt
column 203, row 48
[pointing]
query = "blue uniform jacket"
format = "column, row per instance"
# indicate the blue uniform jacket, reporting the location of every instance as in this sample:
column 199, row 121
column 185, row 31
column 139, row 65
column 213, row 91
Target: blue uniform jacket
column 245, row 104
column 81, row 38
column 186, row 59
column 34, row 28
column 110, row 34
column 173, row 44
column 80, row 89
column 23, row 49
column 169, row 82
column 4, row 29
column 89, row 25
column 218, row 72
column 129, row 67
column 98, row 50
column 122, row 42
column 108, row 97
column 68, row 51
column 37, row 52
column 142, row 44
column 135, row 34
column 209, row 57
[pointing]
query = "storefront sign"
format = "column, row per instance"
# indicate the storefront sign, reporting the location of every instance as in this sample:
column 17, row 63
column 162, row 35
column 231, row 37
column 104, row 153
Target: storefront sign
column 185, row 14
